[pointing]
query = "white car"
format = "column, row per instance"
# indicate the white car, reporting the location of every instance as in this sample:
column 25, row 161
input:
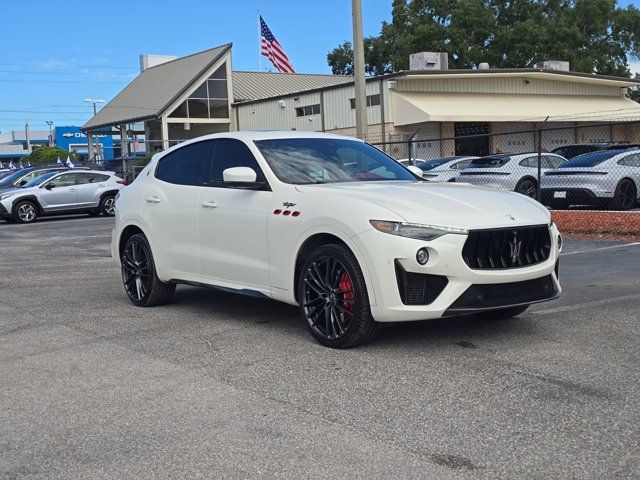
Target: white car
column 445, row 169
column 333, row 225
column 509, row 171
column 609, row 178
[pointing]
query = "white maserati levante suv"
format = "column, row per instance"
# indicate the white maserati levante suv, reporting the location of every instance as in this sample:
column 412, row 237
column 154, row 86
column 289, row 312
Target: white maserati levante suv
column 333, row 225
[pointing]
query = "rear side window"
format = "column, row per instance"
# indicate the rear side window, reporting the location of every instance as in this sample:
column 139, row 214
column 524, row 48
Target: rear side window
column 552, row 162
column 187, row 165
column 92, row 178
column 529, row 162
column 490, row 162
column 630, row 160
column 229, row 153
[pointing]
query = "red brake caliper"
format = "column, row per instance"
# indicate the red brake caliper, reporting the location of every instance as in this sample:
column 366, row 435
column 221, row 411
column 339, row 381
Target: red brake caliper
column 345, row 284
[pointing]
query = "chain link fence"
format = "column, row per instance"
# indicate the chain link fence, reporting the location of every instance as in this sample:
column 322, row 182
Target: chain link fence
column 573, row 167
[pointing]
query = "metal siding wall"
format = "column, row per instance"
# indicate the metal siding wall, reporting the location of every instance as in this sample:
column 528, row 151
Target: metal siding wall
column 269, row 115
column 510, row 85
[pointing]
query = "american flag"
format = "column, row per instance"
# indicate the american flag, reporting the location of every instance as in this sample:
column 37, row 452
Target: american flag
column 272, row 49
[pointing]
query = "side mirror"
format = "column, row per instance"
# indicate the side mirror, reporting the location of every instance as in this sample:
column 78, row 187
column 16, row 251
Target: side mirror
column 22, row 182
column 415, row 170
column 49, row 186
column 242, row 177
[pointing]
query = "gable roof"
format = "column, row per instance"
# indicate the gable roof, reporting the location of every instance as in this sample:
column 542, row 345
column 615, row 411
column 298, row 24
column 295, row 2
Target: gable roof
column 260, row 85
column 151, row 92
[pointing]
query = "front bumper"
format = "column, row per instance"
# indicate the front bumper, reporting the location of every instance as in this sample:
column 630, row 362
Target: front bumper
column 385, row 253
column 4, row 213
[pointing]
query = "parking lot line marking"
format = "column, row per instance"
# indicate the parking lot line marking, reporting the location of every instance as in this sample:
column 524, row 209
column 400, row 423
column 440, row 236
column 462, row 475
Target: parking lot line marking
column 594, row 303
column 601, row 248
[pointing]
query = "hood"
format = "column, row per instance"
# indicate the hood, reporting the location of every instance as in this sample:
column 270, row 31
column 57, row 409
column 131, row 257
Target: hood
column 447, row 204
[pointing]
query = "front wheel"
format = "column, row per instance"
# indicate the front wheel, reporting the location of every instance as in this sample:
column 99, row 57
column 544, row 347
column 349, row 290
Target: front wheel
column 333, row 298
column 528, row 187
column 25, row 212
column 139, row 277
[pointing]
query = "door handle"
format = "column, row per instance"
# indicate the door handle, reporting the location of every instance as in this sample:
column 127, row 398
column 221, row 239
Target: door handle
column 72, row 189
column 209, row 204
column 153, row 200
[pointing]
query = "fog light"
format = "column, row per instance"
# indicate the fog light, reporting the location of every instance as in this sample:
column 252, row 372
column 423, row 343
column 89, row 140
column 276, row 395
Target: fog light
column 422, row 256
column 559, row 243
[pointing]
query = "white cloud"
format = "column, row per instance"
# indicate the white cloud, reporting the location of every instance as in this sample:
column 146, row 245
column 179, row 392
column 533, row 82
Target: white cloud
column 634, row 67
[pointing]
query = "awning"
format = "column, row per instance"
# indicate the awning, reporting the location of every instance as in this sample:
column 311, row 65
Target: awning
column 411, row 107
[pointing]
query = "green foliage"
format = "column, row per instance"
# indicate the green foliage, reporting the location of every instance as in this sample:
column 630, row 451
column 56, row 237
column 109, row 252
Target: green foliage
column 595, row 36
column 43, row 155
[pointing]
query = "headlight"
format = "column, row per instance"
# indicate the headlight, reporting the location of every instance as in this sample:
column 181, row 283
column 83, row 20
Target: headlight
column 412, row 230
column 6, row 195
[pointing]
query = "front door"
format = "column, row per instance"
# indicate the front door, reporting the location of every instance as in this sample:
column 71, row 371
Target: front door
column 170, row 208
column 60, row 193
column 232, row 224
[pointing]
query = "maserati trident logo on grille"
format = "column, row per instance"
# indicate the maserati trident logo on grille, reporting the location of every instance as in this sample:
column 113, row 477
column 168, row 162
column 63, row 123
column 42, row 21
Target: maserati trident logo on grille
column 515, row 247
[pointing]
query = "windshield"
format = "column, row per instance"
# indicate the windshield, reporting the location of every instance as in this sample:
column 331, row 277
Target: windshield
column 303, row 161
column 490, row 162
column 38, row 180
column 13, row 176
column 591, row 159
column 430, row 164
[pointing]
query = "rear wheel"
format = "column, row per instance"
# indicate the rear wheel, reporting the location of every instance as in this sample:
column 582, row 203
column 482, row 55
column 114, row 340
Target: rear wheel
column 528, row 187
column 333, row 298
column 626, row 195
column 108, row 205
column 139, row 277
column 502, row 313
column 25, row 212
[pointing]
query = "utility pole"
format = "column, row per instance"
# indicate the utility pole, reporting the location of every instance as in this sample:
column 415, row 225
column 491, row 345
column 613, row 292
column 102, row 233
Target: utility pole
column 358, row 71
column 50, row 123
column 26, row 135
column 94, row 101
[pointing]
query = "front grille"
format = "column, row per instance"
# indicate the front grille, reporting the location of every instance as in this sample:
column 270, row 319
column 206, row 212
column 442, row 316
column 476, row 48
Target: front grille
column 495, row 295
column 507, row 247
column 418, row 288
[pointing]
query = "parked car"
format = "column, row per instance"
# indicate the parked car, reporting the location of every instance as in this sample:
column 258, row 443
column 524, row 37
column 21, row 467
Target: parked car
column 61, row 192
column 21, row 177
column 571, row 151
column 510, row 171
column 444, row 169
column 333, row 225
column 609, row 178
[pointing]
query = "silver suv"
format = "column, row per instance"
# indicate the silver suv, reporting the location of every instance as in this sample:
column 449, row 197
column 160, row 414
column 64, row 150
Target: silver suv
column 56, row 193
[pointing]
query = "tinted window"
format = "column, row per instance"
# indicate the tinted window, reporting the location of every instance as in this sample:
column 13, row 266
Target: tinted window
column 529, row 162
column 92, row 178
column 329, row 160
column 12, row 177
column 490, row 162
column 461, row 165
column 630, row 161
column 232, row 153
column 38, row 180
column 591, row 159
column 552, row 162
column 571, row 151
column 432, row 163
column 64, row 180
column 187, row 165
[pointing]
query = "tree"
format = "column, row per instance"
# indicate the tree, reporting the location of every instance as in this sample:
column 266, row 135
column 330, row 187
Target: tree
column 595, row 36
column 43, row 155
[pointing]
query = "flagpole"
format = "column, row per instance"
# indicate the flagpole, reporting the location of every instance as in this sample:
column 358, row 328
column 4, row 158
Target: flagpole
column 259, row 42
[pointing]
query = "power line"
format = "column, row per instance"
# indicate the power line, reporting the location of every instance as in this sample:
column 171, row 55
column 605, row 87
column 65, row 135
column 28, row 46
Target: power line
column 58, row 81
column 53, row 66
column 99, row 74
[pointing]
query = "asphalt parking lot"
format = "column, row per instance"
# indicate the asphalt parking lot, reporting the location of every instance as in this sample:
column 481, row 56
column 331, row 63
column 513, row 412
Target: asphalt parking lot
column 221, row 386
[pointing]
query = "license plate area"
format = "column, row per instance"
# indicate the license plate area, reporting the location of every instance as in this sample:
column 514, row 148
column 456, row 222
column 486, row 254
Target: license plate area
column 560, row 194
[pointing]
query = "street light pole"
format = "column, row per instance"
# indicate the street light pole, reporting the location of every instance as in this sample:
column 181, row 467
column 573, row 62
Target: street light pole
column 358, row 70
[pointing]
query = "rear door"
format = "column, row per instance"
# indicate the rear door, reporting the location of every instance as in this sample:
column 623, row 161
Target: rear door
column 60, row 193
column 170, row 210
column 90, row 185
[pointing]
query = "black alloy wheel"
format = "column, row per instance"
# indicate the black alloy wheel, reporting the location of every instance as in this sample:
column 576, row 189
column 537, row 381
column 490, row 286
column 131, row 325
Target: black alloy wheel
column 333, row 298
column 625, row 196
column 141, row 283
column 527, row 187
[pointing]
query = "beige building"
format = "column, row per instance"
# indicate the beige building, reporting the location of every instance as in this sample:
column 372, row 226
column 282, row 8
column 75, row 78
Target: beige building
column 198, row 94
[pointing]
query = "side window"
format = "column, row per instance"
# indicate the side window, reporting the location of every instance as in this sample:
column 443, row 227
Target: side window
column 28, row 177
column 84, row 178
column 529, row 162
column 64, row 180
column 630, row 161
column 460, row 165
column 229, row 153
column 187, row 165
column 554, row 162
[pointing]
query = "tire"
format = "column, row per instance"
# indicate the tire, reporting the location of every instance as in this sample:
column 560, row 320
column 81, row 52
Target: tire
column 108, row 205
column 503, row 313
column 625, row 196
column 528, row 187
column 141, row 283
column 25, row 212
column 337, row 310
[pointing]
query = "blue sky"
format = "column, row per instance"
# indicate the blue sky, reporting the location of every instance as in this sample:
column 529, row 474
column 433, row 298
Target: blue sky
column 58, row 52
column 93, row 48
